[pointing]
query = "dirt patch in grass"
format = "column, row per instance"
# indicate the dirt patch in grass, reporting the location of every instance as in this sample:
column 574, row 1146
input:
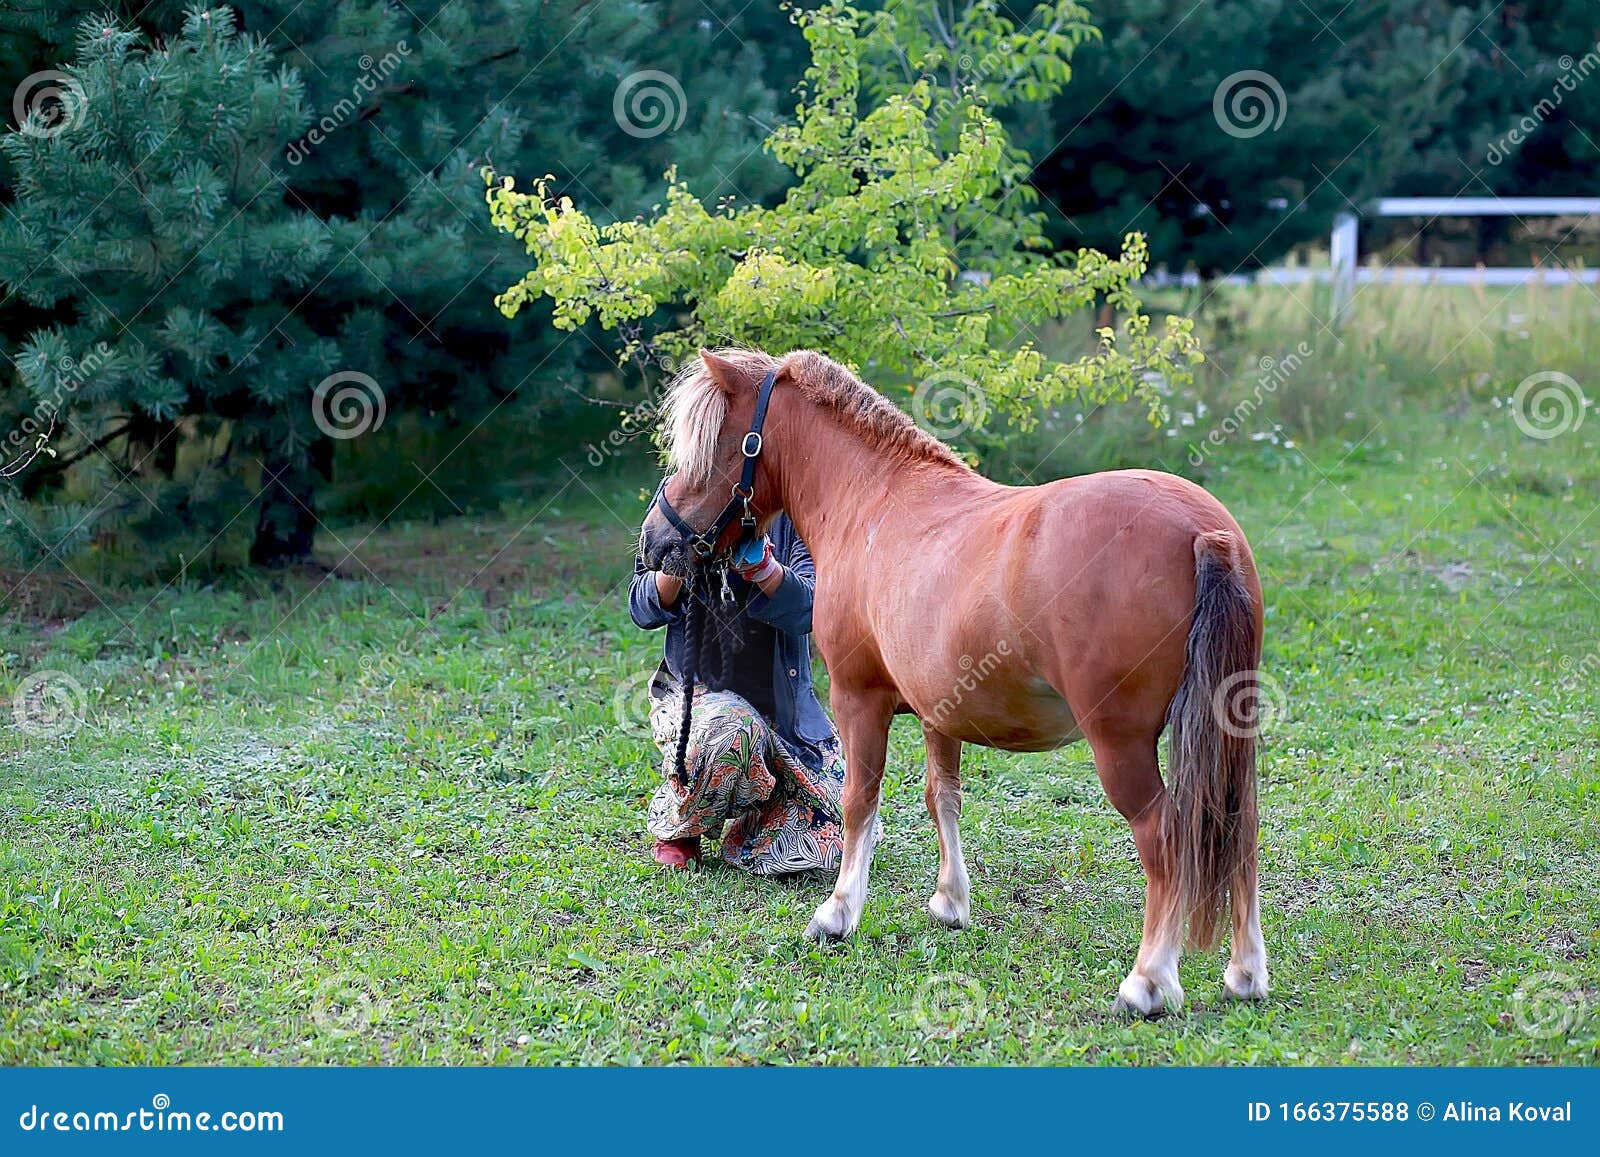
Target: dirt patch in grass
column 47, row 599
column 502, row 560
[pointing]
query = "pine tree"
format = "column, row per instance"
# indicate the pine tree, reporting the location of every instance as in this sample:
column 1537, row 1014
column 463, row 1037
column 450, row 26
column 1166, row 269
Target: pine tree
column 148, row 222
column 1232, row 131
column 1529, row 126
column 349, row 241
column 536, row 82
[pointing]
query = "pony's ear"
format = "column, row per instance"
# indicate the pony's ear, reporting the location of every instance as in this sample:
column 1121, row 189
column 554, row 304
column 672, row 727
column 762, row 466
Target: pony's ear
column 723, row 372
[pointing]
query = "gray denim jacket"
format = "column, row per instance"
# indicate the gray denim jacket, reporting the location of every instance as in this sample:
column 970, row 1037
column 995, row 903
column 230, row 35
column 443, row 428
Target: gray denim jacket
column 801, row 720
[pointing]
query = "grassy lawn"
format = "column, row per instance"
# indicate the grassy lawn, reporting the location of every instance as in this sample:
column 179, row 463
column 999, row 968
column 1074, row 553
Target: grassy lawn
column 395, row 815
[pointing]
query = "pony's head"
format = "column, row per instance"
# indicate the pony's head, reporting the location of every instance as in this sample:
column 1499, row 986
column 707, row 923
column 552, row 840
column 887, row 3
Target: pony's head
column 710, row 405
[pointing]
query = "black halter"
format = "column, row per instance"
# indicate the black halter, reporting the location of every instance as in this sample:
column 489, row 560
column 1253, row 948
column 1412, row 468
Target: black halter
column 704, row 543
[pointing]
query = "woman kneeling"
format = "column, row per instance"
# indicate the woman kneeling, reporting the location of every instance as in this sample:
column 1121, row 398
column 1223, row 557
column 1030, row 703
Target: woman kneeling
column 763, row 757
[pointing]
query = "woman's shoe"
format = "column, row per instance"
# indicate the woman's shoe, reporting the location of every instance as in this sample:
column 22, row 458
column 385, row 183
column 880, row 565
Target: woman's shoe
column 678, row 853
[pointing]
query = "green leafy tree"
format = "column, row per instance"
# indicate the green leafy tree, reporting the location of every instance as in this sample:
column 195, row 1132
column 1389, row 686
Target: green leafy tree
column 863, row 256
column 971, row 55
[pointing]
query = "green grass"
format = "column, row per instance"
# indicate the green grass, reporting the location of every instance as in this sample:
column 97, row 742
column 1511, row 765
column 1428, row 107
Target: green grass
column 396, row 815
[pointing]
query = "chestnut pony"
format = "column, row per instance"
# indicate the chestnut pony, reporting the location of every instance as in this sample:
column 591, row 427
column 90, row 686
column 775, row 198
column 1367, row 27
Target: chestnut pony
column 1107, row 607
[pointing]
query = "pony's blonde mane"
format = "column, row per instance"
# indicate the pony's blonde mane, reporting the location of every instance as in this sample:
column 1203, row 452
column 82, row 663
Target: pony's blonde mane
column 697, row 407
column 884, row 425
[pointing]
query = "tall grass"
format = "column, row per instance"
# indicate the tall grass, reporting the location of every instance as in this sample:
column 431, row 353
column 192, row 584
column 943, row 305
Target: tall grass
column 1279, row 371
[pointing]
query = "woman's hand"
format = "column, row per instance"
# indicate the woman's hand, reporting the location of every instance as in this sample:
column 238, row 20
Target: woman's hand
column 668, row 588
column 754, row 562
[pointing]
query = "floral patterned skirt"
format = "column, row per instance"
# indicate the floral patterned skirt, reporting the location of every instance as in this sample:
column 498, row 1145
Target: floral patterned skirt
column 781, row 816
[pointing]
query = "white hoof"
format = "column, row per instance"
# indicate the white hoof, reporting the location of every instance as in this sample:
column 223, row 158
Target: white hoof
column 831, row 922
column 949, row 912
column 1242, row 984
column 1138, row 996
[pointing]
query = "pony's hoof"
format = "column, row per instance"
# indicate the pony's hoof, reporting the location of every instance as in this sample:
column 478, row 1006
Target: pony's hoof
column 946, row 911
column 829, row 923
column 1128, row 1010
column 1239, row 984
column 1139, row 998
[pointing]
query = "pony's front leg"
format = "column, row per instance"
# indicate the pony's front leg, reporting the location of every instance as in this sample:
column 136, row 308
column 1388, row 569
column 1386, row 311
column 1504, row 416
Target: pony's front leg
column 864, row 728
column 951, row 902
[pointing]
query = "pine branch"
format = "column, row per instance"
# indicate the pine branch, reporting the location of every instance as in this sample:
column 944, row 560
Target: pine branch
column 99, row 444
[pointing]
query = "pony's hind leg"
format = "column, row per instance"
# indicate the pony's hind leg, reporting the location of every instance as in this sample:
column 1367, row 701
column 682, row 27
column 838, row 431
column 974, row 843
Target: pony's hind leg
column 864, row 728
column 951, row 902
column 1131, row 775
column 1246, row 976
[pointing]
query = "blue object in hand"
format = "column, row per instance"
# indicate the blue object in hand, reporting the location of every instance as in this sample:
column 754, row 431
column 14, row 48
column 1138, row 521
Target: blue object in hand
column 750, row 552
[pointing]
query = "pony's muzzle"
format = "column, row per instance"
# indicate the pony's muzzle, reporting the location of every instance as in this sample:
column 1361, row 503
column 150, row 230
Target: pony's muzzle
column 674, row 561
column 655, row 540
column 663, row 549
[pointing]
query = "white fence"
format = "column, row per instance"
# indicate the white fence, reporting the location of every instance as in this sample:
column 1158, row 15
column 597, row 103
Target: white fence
column 1345, row 269
column 1345, row 244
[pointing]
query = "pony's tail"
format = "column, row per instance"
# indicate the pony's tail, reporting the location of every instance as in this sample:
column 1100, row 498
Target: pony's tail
column 1213, row 730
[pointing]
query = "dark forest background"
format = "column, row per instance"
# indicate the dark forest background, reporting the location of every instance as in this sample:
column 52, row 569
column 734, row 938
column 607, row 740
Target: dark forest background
column 181, row 269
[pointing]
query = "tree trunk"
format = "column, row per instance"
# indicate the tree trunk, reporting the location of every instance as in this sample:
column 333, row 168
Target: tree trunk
column 286, row 525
